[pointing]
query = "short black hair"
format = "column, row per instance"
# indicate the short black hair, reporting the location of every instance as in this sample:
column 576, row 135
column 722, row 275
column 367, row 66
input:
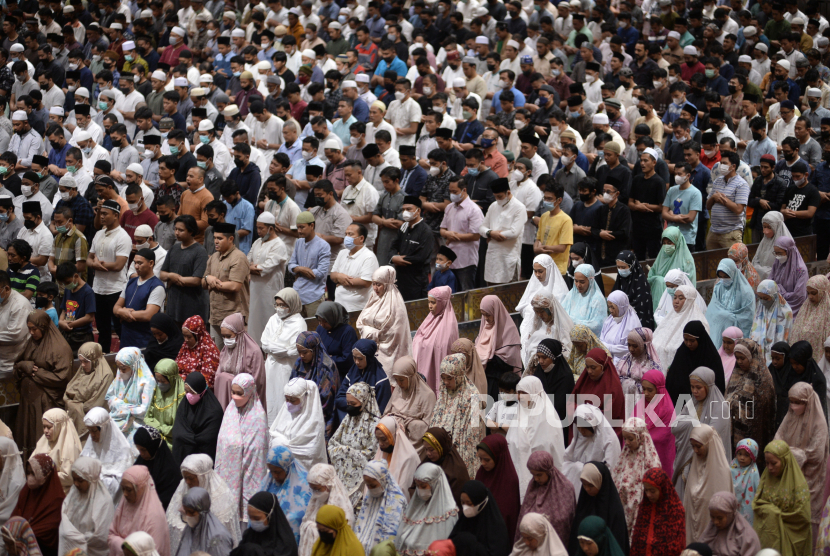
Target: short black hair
column 189, row 223
column 509, row 381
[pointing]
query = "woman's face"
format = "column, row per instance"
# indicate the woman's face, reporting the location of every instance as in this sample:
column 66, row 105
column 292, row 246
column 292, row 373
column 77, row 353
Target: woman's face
column 666, row 241
column 323, row 322
column 544, row 314
column 773, row 464
column 702, row 450
column 449, row 382
column 190, row 512
column 465, row 500
column 576, row 260
column 306, row 355
column 722, row 274
column 632, row 441
column 621, row 265
column 142, row 451
column 48, row 429
column 95, row 433
column 489, row 319
column 359, row 359
column 128, row 490
column 86, row 364
column 540, row 477
column 590, row 489
column 544, row 360
column 257, row 515
column 798, row 406
column 370, row 482
column 432, row 454
column 635, row 349
column 588, row 547
column 779, row 252
column 690, row 341
column 539, row 272
column 227, row 333
column 124, row 370
column 277, row 473
column 593, row 369
column 813, row 295
column 532, row 542
column 486, row 461
column 238, row 395
column 587, row 432
column 721, row 520
column 380, row 436
column 778, row 358
column 581, row 282
column 581, row 347
column 433, row 304
column 79, row 482
column 651, row 492
column 351, row 401
column 649, row 391
column 35, row 332
column 189, row 338
column 768, row 232
column 402, row 381
column 190, row 479
column 742, row 361
column 161, row 379
column 698, row 389
column 613, row 310
column 378, row 288
column 728, row 345
column 160, row 336
column 678, row 301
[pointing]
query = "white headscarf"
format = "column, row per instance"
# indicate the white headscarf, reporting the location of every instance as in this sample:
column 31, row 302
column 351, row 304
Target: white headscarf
column 303, row 432
column 86, row 518
column 603, row 446
column 142, row 543
column 427, row 520
column 12, row 479
column 554, row 284
column 323, row 474
column 765, row 255
column 537, row 526
column 615, row 330
column 533, row 330
column 664, row 309
column 404, row 460
column 66, row 446
column 669, row 334
column 113, row 450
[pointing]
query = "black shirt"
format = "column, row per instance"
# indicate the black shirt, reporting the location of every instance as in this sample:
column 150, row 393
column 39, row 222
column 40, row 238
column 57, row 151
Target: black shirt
column 415, row 244
column 801, row 198
column 617, row 221
column 186, row 162
column 622, row 173
column 650, row 191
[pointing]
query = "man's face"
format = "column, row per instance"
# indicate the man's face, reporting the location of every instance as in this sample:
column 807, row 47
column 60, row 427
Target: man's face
column 640, row 51
column 353, row 175
column 169, row 106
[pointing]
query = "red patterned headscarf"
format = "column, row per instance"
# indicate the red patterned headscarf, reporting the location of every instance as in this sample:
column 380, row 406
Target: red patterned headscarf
column 661, row 527
column 203, row 357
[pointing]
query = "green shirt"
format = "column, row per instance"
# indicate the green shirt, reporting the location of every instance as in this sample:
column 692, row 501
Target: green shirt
column 70, row 248
column 775, row 30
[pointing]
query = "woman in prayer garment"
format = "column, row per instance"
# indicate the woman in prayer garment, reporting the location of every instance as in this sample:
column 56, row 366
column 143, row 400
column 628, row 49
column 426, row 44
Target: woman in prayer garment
column 549, row 493
column 637, row 457
column 499, row 475
column 198, row 420
column 594, row 533
column 709, row 474
column 804, row 429
column 824, row 362
column 782, row 505
column 732, row 303
column 813, row 321
column 585, row 303
column 315, row 365
column 412, row 402
column 621, row 319
column 774, row 228
column 639, row 358
column 547, row 279
column 547, row 319
column 660, row 528
column 337, row 334
column 436, row 335
column 791, row 274
column 537, row 537
column 139, row 510
column 697, row 350
column 475, row 370
column 40, row 502
column 354, row 443
column 783, row 378
column 243, row 442
column 583, row 340
column 727, row 350
column 41, row 373
column 18, row 532
column 326, row 490
column 440, row 451
column 139, row 544
column 88, row 388
column 288, row 480
column 599, row 499
column 87, row 511
column 279, row 342
column 198, row 352
column 197, row 471
column 804, row 369
column 487, row 523
column 61, row 442
column 272, row 534
column 654, row 383
column 167, row 396
column 130, row 394
column 301, row 430
column 385, row 320
column 156, row 456
column 631, row 280
column 751, row 389
column 12, row 477
column 740, row 255
column 551, row 368
column 240, row 354
column 382, row 509
column 107, row 444
column 397, row 451
column 600, row 379
column 674, row 254
column 167, row 339
column 366, row 369
column 208, row 534
column 670, row 335
column 593, row 440
column 344, row 541
column 674, row 279
column 745, row 476
column 729, row 533
column 498, row 343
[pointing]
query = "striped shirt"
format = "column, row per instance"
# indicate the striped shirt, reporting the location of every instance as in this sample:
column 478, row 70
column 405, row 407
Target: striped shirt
column 724, row 220
column 27, row 278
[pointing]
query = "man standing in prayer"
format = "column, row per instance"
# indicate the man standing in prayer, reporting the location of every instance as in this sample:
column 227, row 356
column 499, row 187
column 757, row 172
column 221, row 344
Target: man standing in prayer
column 412, row 250
column 227, row 279
column 502, row 228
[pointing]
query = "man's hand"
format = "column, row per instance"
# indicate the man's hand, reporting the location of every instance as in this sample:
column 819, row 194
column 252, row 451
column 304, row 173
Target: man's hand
column 606, row 235
column 498, row 236
column 400, row 261
column 765, row 204
column 63, row 325
column 787, row 213
column 255, row 270
column 212, row 282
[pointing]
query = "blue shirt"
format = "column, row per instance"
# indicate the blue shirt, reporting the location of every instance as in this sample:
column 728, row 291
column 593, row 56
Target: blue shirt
column 756, row 149
column 298, row 173
column 53, row 314
column 397, row 65
column 821, row 179
column 315, row 255
column 377, row 28
column 413, row 181
column 518, row 102
column 443, row 278
column 330, row 12
column 58, row 158
column 341, row 129
column 222, row 63
column 242, row 216
column 361, row 110
column 581, row 161
column 719, row 85
column 469, row 132
column 673, row 112
column 630, row 36
column 795, row 91
column 700, row 179
column 294, row 152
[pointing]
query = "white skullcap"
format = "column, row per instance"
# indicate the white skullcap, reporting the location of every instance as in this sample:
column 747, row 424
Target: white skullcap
column 263, row 65
column 674, row 35
column 204, row 17
column 118, row 26
column 180, row 82
column 16, row 47
column 230, row 15
column 797, row 21
column 197, row 92
column 136, row 168
column 128, row 45
column 82, row 92
column 56, row 111
column 68, row 9
column 178, row 31
column 237, row 33
column 146, row 14
column 82, row 136
column 206, row 125
column 750, row 31
column 362, row 78
column 20, row 116
column 266, row 218
column 690, row 50
column 762, row 47
column 600, row 119
column 333, row 144
column 158, row 74
column 813, row 92
column 206, row 78
column 66, row 181
column 144, row 230
column 513, row 43
column 822, row 42
column 349, row 84
column 651, row 152
column 576, row 3
column 481, row 12
column 108, row 94
column 784, row 64
column 261, row 8
column 345, row 11
column 459, row 82
column 230, row 110
column 308, row 53
column 296, row 11
column 744, row 59
column 481, row 39
column 335, row 25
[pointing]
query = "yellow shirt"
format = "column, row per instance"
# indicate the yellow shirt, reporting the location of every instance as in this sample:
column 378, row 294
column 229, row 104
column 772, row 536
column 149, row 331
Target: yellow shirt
column 557, row 230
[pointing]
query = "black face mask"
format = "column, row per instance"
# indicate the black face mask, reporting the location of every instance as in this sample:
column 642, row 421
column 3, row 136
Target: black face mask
column 30, row 224
column 55, row 145
column 326, row 537
column 491, row 67
column 643, row 112
column 239, row 163
column 213, row 221
column 41, row 302
column 756, row 136
column 164, row 217
column 319, row 202
column 353, row 411
column 389, row 449
column 584, row 197
column 15, row 266
column 825, row 135
column 389, row 59
column 319, row 135
column 789, row 157
column 732, row 89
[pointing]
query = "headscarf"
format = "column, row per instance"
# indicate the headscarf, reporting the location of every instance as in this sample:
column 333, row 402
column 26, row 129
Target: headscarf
column 145, row 514
column 727, row 360
column 303, row 432
column 667, row 259
column 594, row 529
column 501, row 339
column 603, row 446
column 813, row 321
column 141, row 544
column 475, row 370
column 738, row 539
column 534, row 330
column 203, row 357
column 113, row 450
column 740, row 254
column 322, row 474
column 589, row 308
column 745, row 479
column 294, row 492
column 782, row 506
column 455, row 412
column 412, row 406
column 808, row 433
column 64, row 447
column 660, row 529
column 18, row 530
column 197, row 425
column 404, row 459
column 380, row 516
column 277, row 539
column 450, row 461
column 792, row 275
column 709, row 474
column 41, row 505
column 487, row 525
column 660, row 431
column 664, row 308
column 223, row 505
column 162, row 466
column 322, row 371
column 615, row 330
column 279, row 342
column 583, row 334
column 669, row 335
column 155, row 351
column 535, row 429
column 537, row 526
column 631, row 369
column 686, row 361
column 558, row 381
column 161, row 415
column 635, row 287
column 555, row 499
column 824, row 364
column 632, row 466
column 209, row 535
column 732, row 303
column 86, row 518
column 583, row 250
column 12, row 478
column 605, row 505
column 427, row 520
column 434, row 338
column 354, row 442
column 385, row 320
column 607, row 384
column 502, row 480
column 345, row 543
column 130, row 400
column 88, row 390
column 554, row 285
column 244, row 357
column 765, row 254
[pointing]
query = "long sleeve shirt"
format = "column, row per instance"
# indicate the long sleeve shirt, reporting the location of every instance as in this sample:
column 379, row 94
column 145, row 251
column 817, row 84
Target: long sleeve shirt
column 315, row 255
column 617, row 221
column 414, row 242
column 26, row 146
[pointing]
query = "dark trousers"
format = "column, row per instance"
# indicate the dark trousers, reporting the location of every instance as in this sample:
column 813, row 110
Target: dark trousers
column 645, row 248
column 104, row 305
column 527, row 261
column 482, row 258
column 465, row 278
column 330, row 287
column 700, row 240
column 822, row 231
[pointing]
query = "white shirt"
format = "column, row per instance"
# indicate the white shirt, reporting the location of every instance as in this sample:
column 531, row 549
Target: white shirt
column 227, row 134
column 360, row 200
column 372, row 175
column 93, row 129
column 45, row 205
column 107, row 245
column 392, row 157
column 781, row 130
column 98, row 153
column 761, row 67
column 42, row 242
column 593, row 92
column 222, row 158
column 286, row 216
column 161, row 254
column 503, row 257
column 384, row 125
column 539, row 167
column 529, row 194
column 128, row 104
column 360, row 265
column 270, row 130
column 401, row 115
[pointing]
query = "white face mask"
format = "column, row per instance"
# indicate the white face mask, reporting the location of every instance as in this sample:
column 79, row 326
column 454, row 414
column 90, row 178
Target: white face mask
column 354, row 140
column 577, row 263
column 427, row 91
column 607, row 197
column 424, row 493
column 781, row 258
column 230, row 342
column 566, row 160
column 589, row 78
column 192, row 521
column 503, row 202
column 399, row 96
column 517, row 175
column 407, row 216
column 26, row 190
column 505, row 84
column 709, row 154
column 65, row 196
column 307, row 155
column 146, row 245
column 376, row 492
column 282, row 312
column 434, row 170
column 321, row 497
column 133, row 206
column 519, row 125
column 657, row 84
column 679, row 180
column 455, row 197
column 471, row 511
column 672, row 79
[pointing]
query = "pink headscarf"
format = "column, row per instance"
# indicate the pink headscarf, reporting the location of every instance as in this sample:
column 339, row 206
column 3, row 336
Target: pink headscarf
column 147, row 514
column 660, row 433
column 435, row 337
column 245, row 357
column 503, row 334
column 734, row 333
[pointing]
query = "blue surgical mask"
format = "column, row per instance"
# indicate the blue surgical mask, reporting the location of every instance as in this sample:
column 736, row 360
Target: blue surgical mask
column 237, row 73
column 258, row 526
column 4, row 217
column 547, row 205
column 574, row 114
column 204, row 139
column 726, row 282
column 174, row 150
column 556, row 72
column 670, row 291
column 348, row 242
column 624, row 273
column 202, row 165
column 472, row 171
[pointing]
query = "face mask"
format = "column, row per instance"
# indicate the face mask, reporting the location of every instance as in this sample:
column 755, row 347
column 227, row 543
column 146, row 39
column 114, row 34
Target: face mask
column 434, row 170
column 30, row 225
column 517, row 175
column 670, row 291
column 376, row 492
column 566, row 160
column 556, row 73
column 657, row 84
column 424, row 493
column 709, row 153
column 624, row 273
column 102, row 105
column 669, row 249
column 192, row 521
column 353, row 411
column 710, row 74
column 174, row 150
column 4, row 217
column 643, row 112
column 202, row 165
column 193, row 398
column 230, row 342
column 342, row 19
column 617, row 319
column 41, row 302
column 282, row 312
column 789, row 156
column 326, row 537
column 26, row 190
column 164, row 387
column 293, row 408
column 307, row 155
column 455, row 198
column 781, row 258
column 548, row 206
column 407, row 216
column 133, row 207
column 472, row 171
column 672, row 79
column 31, row 481
column 348, row 242
column 799, row 183
column 505, row 84
column 237, row 73
column 95, row 58
column 589, row 79
column 399, row 96
column 607, row 197
column 471, row 511
column 258, row 526
column 574, row 114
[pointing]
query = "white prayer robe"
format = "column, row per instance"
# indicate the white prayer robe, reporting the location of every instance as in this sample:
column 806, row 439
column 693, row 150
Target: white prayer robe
column 14, row 332
column 503, row 257
column 279, row 342
column 271, row 257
